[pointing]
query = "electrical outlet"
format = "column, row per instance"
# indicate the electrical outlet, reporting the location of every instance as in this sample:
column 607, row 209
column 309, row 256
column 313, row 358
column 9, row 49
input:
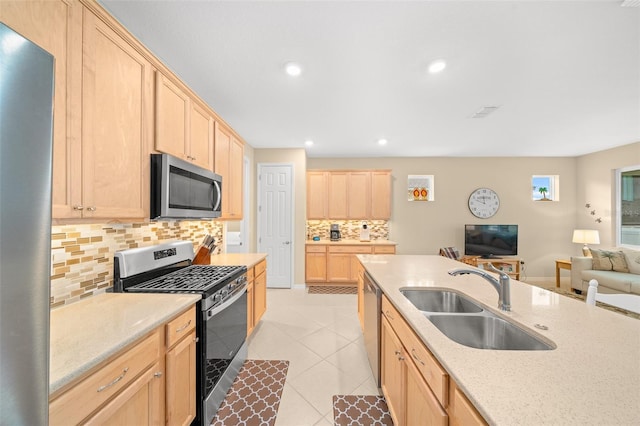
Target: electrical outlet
column 57, row 256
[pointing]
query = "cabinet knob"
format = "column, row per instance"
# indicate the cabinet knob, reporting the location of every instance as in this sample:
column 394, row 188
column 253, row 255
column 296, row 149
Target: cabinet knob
column 78, row 207
column 91, row 209
column 157, row 374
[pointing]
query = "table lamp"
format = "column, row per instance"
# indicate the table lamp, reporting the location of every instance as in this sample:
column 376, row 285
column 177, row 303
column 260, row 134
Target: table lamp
column 586, row 236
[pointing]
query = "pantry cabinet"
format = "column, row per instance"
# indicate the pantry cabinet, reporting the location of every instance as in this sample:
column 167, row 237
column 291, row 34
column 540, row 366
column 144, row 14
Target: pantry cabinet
column 229, row 163
column 184, row 128
column 349, row 194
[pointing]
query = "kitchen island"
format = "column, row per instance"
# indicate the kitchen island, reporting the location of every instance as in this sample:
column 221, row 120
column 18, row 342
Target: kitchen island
column 591, row 377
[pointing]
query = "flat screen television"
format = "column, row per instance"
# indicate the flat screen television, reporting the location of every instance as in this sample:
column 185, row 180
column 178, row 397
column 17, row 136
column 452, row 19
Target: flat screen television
column 491, row 241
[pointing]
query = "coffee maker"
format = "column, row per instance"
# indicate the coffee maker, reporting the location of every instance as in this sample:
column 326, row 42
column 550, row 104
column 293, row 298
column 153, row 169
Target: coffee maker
column 334, row 234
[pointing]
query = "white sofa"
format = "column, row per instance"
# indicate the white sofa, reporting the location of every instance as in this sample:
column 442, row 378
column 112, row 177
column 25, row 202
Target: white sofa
column 624, row 279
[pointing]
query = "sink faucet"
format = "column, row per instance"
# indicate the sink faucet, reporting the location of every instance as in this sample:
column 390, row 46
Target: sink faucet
column 503, row 286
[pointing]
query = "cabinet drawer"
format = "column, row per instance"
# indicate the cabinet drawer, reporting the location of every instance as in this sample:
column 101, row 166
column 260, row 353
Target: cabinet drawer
column 384, row 249
column 350, row 249
column 180, row 327
column 260, row 268
column 250, row 274
column 435, row 376
column 316, row 249
column 78, row 402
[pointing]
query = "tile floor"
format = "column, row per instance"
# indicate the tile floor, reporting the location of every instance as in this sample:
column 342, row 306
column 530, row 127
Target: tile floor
column 320, row 335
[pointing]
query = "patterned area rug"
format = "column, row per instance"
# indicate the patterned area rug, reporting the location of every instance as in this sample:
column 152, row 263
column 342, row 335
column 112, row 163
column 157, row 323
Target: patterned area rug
column 254, row 396
column 360, row 410
column 332, row 289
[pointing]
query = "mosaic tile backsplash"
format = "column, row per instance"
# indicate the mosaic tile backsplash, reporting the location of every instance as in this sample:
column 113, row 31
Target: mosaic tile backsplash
column 82, row 255
column 349, row 229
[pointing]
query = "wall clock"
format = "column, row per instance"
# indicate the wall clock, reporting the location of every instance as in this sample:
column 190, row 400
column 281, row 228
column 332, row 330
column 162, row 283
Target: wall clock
column 484, row 203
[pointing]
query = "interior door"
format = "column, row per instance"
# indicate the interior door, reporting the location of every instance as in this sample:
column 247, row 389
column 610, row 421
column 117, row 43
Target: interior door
column 275, row 233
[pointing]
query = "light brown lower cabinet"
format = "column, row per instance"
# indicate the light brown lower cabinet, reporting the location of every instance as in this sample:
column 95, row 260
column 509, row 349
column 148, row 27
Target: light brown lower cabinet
column 256, row 294
column 151, row 382
column 338, row 264
column 417, row 389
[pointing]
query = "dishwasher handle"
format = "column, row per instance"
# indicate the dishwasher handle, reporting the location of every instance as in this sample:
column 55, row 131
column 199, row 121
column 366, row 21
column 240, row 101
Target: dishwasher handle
column 369, row 285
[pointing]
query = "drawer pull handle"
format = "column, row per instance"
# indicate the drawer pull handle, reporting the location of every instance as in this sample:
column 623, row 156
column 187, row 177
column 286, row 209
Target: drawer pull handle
column 413, row 354
column 116, row 380
column 178, row 330
column 389, row 315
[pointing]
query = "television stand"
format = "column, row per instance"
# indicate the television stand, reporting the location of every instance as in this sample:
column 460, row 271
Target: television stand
column 510, row 265
column 490, row 256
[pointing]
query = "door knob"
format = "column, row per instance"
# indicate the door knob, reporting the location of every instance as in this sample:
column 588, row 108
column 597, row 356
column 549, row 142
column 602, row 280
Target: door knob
column 287, row 242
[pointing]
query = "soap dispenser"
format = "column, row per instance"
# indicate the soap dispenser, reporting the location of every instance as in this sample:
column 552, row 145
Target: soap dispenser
column 364, row 232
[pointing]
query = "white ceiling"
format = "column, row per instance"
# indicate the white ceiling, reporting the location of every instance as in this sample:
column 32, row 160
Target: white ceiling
column 566, row 74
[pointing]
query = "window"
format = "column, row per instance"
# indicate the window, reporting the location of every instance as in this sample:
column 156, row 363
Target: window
column 545, row 187
column 628, row 206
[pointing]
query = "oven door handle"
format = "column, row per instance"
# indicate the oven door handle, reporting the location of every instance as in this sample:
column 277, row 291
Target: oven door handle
column 212, row 312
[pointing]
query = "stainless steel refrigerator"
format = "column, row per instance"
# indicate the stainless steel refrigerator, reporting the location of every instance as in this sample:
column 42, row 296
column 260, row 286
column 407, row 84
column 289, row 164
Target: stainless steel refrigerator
column 26, row 134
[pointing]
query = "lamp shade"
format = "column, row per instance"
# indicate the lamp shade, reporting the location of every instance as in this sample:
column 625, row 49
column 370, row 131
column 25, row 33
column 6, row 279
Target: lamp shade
column 586, row 236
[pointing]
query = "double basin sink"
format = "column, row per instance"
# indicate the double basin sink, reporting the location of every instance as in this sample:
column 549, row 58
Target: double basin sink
column 464, row 321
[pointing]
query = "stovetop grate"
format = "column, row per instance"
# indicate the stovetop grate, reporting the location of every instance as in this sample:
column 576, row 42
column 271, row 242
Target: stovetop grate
column 194, row 278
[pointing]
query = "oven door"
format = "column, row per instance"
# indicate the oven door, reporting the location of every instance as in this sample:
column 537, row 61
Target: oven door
column 223, row 349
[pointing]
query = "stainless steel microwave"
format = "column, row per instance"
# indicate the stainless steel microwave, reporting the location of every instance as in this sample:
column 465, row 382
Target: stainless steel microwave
column 180, row 190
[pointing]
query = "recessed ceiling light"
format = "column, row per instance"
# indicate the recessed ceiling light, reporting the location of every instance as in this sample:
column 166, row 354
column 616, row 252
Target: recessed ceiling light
column 293, row 69
column 437, row 66
column 308, row 142
column 382, row 141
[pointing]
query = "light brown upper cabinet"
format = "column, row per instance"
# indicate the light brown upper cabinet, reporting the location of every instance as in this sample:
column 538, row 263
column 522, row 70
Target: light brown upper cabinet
column 317, row 195
column 184, row 128
column 229, row 162
column 349, row 194
column 380, row 194
column 117, row 124
column 56, row 26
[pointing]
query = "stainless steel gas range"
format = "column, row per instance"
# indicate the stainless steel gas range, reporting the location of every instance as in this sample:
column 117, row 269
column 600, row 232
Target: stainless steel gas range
column 222, row 321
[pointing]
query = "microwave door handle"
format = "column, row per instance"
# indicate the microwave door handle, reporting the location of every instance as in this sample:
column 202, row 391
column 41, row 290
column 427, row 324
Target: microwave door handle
column 219, row 193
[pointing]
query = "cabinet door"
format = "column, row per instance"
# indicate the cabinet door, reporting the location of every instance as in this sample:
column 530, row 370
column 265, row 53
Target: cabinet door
column 181, row 382
column 337, row 205
column 236, row 185
column 200, row 141
column 422, row 407
column 140, row 403
column 316, row 267
column 380, row 195
column 317, row 195
column 172, row 108
column 360, row 269
column 221, row 164
column 116, row 124
column 359, row 190
column 260, row 296
column 250, row 307
column 392, row 374
column 56, row 26
column 339, row 267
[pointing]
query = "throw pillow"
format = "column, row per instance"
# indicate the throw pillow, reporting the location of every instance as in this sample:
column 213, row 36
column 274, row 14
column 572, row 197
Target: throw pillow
column 633, row 260
column 606, row 260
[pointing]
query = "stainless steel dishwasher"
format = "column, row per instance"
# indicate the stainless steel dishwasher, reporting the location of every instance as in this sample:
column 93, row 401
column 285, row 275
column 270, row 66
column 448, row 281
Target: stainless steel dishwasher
column 372, row 311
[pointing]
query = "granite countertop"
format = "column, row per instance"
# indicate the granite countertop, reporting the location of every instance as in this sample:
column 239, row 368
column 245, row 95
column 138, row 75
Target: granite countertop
column 237, row 259
column 352, row 242
column 592, row 377
column 85, row 333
